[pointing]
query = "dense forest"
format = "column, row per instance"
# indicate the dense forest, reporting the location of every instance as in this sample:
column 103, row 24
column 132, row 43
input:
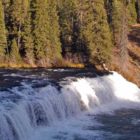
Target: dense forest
column 54, row 33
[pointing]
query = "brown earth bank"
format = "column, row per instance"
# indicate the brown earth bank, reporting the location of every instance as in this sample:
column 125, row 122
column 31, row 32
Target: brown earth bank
column 131, row 71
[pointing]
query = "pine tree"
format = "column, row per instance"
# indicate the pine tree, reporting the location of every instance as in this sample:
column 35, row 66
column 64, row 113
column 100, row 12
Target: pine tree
column 116, row 24
column 15, row 16
column 124, row 35
column 54, row 31
column 102, row 34
column 67, row 15
column 40, row 30
column 14, row 54
column 132, row 14
column 3, row 40
column 27, row 36
column 83, row 23
column 86, row 25
column 40, row 27
column 120, row 28
column 96, row 32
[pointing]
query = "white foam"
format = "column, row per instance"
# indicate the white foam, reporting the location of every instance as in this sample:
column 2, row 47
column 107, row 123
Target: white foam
column 38, row 111
column 123, row 89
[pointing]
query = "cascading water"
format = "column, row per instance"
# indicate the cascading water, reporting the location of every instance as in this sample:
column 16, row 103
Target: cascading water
column 25, row 109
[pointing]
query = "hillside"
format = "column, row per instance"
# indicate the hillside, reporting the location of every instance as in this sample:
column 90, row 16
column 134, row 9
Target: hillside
column 132, row 66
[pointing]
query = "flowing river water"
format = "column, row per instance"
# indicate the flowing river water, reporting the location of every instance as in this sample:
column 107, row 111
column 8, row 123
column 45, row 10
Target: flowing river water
column 67, row 104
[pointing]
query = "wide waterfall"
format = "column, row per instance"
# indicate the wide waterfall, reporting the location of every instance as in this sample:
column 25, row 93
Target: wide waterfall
column 26, row 111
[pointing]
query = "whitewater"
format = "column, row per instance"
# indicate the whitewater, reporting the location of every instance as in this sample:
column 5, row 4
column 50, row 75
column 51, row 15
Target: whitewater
column 76, row 107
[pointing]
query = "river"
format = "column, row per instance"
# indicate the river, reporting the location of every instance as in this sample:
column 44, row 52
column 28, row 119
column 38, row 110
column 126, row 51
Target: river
column 67, row 104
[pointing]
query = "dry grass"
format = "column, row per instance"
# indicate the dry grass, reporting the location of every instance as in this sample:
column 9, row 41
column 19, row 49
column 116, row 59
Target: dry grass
column 13, row 65
column 59, row 64
column 68, row 64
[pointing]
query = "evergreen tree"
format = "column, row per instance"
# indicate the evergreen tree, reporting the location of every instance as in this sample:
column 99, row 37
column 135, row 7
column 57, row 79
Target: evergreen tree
column 132, row 14
column 96, row 32
column 124, row 35
column 15, row 16
column 3, row 40
column 40, row 26
column 54, row 31
column 102, row 34
column 67, row 13
column 40, row 30
column 27, row 36
column 116, row 24
column 86, row 25
column 14, row 54
column 120, row 28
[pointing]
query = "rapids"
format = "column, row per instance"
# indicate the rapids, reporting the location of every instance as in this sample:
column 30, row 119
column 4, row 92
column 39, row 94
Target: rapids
column 39, row 107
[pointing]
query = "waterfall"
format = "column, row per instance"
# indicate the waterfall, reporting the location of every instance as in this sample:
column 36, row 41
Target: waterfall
column 24, row 109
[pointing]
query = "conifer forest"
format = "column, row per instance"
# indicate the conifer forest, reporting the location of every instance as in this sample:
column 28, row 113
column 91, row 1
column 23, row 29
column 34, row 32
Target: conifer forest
column 52, row 33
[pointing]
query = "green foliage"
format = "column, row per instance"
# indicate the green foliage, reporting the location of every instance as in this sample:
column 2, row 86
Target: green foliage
column 46, row 31
column 116, row 24
column 132, row 14
column 67, row 17
column 16, row 19
column 41, row 31
column 54, row 31
column 86, row 22
column 3, row 40
column 84, row 28
column 120, row 27
column 14, row 53
column 15, row 22
column 101, row 42
column 95, row 32
column 27, row 37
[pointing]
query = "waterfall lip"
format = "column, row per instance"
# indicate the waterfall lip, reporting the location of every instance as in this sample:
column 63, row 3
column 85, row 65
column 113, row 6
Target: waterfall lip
column 32, row 88
column 15, row 77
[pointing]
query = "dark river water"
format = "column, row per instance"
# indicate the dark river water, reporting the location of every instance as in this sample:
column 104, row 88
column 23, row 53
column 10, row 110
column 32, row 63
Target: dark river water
column 67, row 104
